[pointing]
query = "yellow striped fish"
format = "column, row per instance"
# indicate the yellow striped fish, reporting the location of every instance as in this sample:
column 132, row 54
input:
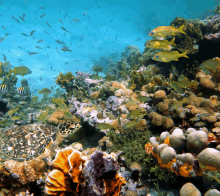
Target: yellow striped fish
column 3, row 88
column 21, row 91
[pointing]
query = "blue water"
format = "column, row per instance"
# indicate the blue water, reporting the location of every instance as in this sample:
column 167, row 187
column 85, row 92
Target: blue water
column 104, row 27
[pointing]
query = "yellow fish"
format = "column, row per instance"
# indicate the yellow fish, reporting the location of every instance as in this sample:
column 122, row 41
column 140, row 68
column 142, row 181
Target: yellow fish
column 164, row 31
column 45, row 91
column 21, row 70
column 161, row 44
column 167, row 56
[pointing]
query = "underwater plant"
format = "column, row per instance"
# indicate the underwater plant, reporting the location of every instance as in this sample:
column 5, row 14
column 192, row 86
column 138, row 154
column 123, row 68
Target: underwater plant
column 96, row 69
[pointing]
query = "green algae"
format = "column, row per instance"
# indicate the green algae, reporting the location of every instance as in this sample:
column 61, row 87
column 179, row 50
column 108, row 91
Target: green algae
column 132, row 145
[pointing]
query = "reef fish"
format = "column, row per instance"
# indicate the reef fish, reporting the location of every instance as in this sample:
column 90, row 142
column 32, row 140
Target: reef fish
column 65, row 49
column 21, row 91
column 32, row 32
column 2, row 39
column 12, row 111
column 164, row 31
column 63, row 29
column 161, row 44
column 3, row 88
column 6, row 123
column 48, row 24
column 60, row 21
column 75, row 20
column 41, row 40
column 24, row 34
column 58, row 41
column 104, row 126
column 167, row 56
column 42, row 15
column 21, row 70
column 45, row 91
column 32, row 53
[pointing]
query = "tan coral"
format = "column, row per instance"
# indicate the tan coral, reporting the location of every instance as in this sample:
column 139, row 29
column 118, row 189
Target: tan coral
column 217, row 124
column 160, row 120
column 162, row 108
column 38, row 164
column 135, row 167
column 118, row 85
column 157, row 119
column 105, row 143
column 145, row 88
column 208, row 105
column 196, row 110
column 56, row 117
column 194, row 100
column 159, row 96
column 167, row 123
column 207, row 83
column 214, row 100
column 21, row 171
column 95, row 95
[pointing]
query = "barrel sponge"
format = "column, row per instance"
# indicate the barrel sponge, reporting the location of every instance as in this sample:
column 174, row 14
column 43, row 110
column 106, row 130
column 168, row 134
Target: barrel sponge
column 197, row 141
column 212, row 192
column 167, row 155
column 189, row 189
column 163, row 136
column 190, row 130
column 185, row 158
column 153, row 141
column 177, row 139
column 210, row 157
column 160, row 148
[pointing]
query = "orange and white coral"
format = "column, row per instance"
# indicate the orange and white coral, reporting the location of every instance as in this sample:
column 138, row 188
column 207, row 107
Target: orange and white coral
column 84, row 174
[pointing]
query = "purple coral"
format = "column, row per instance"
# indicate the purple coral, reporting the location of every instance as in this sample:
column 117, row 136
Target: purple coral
column 113, row 103
column 100, row 166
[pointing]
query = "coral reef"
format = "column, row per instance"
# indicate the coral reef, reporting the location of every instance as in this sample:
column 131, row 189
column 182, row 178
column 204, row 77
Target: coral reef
column 91, row 173
column 183, row 164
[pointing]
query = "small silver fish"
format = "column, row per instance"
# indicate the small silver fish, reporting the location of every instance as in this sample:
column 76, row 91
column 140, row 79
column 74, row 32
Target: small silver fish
column 41, row 40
